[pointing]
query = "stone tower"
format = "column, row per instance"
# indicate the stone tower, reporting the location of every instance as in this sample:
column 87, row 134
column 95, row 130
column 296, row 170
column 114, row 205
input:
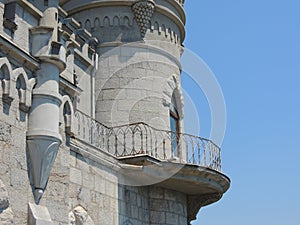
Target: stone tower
column 140, row 43
column 92, row 116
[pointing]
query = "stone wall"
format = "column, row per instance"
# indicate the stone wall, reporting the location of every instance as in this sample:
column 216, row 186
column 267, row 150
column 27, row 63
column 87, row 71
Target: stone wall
column 95, row 188
column 15, row 189
column 135, row 84
column 13, row 161
column 167, row 207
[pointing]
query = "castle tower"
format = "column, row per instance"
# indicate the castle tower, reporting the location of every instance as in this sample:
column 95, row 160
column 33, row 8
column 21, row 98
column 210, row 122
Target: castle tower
column 136, row 90
column 92, row 116
column 140, row 44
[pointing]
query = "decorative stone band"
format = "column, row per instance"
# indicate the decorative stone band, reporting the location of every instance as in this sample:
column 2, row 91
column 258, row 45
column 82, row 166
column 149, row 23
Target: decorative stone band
column 143, row 11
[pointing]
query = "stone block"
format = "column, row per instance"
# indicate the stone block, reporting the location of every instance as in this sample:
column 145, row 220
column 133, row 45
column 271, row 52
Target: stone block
column 144, row 215
column 171, row 218
column 72, row 159
column 159, row 205
column 88, row 180
column 58, row 211
column 111, row 189
column 38, row 215
column 182, row 220
column 170, row 195
column 134, row 212
column 157, row 217
column 100, row 184
column 84, row 196
column 75, row 176
column 19, row 178
column 18, row 199
column 99, row 200
column 105, row 217
column 74, row 190
column 176, row 207
column 57, row 190
column 82, row 163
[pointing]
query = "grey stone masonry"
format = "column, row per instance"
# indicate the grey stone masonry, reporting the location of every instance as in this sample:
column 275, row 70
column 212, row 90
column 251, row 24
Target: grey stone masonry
column 86, row 97
column 38, row 215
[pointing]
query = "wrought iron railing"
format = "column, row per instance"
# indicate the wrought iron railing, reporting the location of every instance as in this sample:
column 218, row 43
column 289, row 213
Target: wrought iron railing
column 140, row 138
column 181, row 2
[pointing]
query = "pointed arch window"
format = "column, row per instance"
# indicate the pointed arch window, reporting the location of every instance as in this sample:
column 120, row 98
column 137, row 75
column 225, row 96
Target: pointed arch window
column 174, row 126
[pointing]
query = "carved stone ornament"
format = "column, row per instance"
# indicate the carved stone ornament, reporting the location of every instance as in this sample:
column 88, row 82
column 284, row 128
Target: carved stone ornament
column 6, row 213
column 42, row 152
column 196, row 202
column 143, row 12
column 79, row 216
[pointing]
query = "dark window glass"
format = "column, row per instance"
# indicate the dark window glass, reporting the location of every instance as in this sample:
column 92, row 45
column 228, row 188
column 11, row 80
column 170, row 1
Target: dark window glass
column 174, row 125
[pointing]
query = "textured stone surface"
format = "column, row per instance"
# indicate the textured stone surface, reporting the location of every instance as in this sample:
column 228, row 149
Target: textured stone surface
column 5, row 132
column 6, row 216
column 133, row 83
column 79, row 216
column 4, row 199
column 6, row 213
column 38, row 215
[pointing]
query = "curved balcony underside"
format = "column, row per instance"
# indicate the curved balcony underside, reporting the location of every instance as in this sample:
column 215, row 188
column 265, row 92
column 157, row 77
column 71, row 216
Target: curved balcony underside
column 202, row 185
column 144, row 156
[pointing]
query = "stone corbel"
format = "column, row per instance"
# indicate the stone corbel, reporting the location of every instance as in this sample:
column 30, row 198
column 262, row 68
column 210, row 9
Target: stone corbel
column 42, row 153
column 196, row 202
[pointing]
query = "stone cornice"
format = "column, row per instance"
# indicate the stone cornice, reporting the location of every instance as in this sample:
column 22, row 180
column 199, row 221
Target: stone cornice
column 18, row 53
column 159, row 9
column 30, row 8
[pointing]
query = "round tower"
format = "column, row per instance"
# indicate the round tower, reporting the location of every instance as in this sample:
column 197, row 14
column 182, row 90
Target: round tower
column 140, row 44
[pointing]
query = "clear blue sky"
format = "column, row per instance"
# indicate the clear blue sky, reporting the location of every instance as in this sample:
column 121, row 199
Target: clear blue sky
column 253, row 48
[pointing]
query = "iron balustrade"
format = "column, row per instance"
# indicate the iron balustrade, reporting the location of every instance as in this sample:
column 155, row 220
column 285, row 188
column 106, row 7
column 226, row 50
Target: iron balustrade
column 142, row 139
column 181, row 2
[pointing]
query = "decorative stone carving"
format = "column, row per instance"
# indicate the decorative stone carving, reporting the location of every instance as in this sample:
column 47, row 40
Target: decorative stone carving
column 43, row 137
column 143, row 11
column 196, row 202
column 42, row 154
column 79, row 216
column 6, row 214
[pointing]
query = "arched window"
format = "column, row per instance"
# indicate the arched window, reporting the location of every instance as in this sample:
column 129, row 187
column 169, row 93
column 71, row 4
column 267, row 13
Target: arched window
column 21, row 88
column 174, row 126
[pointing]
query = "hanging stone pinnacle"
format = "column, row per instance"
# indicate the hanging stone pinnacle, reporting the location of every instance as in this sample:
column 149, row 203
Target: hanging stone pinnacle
column 143, row 11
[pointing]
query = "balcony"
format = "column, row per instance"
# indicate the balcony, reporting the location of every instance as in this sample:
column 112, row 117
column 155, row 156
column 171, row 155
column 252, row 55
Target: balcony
column 144, row 156
column 141, row 140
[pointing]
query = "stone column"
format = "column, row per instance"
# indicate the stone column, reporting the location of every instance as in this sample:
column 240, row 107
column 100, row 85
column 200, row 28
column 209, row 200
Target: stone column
column 43, row 138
